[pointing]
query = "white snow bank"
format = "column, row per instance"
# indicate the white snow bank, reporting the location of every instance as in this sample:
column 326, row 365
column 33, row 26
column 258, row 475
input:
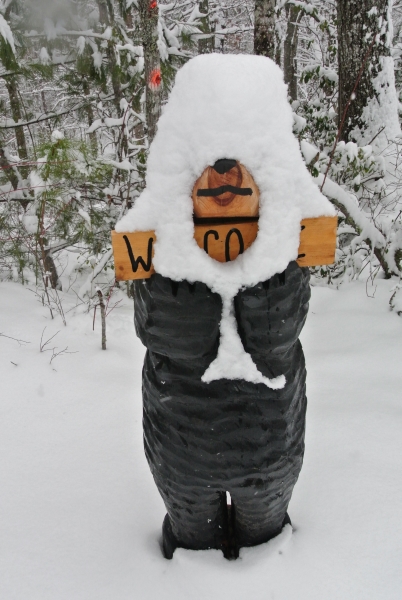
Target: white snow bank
column 80, row 514
column 226, row 106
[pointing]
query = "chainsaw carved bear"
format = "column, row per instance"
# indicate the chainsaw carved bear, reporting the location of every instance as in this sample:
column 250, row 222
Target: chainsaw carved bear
column 203, row 440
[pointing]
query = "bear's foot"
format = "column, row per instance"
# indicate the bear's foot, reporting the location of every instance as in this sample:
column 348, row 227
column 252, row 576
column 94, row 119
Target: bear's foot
column 169, row 542
column 230, row 547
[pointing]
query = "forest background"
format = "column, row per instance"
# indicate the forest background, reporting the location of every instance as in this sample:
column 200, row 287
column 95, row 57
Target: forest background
column 82, row 84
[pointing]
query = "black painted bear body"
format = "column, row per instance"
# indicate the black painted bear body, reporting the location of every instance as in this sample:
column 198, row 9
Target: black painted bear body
column 205, row 439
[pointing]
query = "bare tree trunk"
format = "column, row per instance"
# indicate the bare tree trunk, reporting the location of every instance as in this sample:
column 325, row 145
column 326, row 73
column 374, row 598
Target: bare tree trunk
column 11, row 173
column 11, row 85
column 45, row 110
column 153, row 79
column 8, row 169
column 103, row 12
column 205, row 46
column 106, row 17
column 51, row 270
column 8, row 10
column 50, row 274
column 290, row 50
column 360, row 22
column 278, row 48
column 90, row 115
column 264, row 28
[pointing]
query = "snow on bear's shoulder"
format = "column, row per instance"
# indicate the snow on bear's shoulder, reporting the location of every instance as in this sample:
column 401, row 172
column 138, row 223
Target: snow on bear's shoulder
column 226, row 107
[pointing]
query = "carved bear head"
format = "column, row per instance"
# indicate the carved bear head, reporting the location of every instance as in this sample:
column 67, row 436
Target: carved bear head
column 226, row 189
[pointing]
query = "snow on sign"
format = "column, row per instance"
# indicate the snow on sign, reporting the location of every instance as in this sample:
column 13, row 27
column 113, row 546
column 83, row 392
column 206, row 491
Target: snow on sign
column 133, row 252
column 226, row 213
column 228, row 209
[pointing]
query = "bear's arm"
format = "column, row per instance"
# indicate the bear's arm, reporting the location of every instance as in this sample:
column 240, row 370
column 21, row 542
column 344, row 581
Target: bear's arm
column 177, row 319
column 271, row 315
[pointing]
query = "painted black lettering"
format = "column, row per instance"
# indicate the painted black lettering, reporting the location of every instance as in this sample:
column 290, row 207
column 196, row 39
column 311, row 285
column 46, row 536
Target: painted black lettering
column 206, row 236
column 227, row 243
column 139, row 261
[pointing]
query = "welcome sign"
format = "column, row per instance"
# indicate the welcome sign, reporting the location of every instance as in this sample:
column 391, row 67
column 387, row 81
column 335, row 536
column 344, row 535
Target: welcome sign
column 226, row 213
column 223, row 241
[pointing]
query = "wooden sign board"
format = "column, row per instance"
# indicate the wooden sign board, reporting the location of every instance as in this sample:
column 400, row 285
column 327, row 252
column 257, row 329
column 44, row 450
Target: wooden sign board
column 133, row 252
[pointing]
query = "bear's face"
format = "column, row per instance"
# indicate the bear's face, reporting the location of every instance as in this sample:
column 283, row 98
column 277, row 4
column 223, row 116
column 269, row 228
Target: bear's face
column 225, row 190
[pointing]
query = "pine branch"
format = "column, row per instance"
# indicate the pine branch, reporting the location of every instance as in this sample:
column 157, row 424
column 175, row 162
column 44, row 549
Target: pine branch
column 43, row 118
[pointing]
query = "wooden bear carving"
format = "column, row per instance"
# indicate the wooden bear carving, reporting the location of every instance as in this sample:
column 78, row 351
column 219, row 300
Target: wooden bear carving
column 225, row 190
column 224, row 375
column 226, row 206
column 206, row 442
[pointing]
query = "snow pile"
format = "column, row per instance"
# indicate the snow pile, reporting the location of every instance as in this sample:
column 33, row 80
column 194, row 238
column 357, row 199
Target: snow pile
column 226, row 106
column 79, row 511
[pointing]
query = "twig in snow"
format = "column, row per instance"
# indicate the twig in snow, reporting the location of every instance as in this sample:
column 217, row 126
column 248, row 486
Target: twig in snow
column 93, row 322
column 115, row 305
column 56, row 354
column 376, row 135
column 42, row 345
column 20, row 342
column 59, row 307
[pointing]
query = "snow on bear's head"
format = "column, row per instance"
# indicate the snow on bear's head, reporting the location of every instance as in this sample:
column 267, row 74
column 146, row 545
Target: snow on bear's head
column 235, row 107
column 226, row 107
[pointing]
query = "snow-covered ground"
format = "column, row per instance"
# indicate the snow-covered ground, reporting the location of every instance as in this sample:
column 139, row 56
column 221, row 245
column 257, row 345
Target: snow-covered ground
column 81, row 517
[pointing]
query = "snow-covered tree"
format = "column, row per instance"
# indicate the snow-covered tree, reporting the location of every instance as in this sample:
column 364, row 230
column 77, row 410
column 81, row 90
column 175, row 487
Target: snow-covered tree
column 367, row 95
column 82, row 84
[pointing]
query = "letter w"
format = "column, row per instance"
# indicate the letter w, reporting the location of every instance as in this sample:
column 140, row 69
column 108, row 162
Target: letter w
column 139, row 261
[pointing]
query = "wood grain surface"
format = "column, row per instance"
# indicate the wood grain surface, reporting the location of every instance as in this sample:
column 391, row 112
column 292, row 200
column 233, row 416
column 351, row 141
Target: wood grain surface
column 226, row 205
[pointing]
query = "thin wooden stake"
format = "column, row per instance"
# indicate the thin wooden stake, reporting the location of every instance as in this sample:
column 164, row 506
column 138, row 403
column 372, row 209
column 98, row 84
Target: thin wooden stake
column 103, row 319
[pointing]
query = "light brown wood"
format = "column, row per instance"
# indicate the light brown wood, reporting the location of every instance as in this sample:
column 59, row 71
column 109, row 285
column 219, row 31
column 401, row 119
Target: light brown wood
column 317, row 242
column 225, row 241
column 317, row 245
column 139, row 244
column 227, row 204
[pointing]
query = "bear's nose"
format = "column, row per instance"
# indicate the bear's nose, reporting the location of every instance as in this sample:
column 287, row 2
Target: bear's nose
column 223, row 165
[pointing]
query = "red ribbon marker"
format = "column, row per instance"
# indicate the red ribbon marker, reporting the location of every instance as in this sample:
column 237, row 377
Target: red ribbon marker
column 155, row 79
